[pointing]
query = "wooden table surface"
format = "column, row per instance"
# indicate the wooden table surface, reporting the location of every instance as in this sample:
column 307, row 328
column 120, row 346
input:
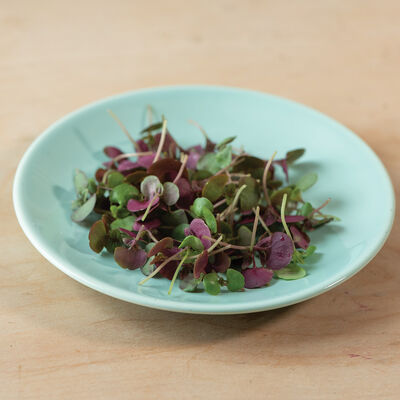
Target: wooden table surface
column 61, row 340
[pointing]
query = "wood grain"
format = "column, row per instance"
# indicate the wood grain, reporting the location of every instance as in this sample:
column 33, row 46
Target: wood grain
column 61, row 340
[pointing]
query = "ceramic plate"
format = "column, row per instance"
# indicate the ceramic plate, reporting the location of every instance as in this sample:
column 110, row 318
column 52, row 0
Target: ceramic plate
column 348, row 170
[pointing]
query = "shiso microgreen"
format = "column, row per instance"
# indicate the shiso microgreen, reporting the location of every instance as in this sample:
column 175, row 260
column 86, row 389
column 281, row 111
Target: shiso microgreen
column 213, row 217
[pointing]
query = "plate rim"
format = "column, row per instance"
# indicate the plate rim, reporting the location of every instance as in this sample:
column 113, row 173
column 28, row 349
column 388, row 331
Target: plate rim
column 195, row 307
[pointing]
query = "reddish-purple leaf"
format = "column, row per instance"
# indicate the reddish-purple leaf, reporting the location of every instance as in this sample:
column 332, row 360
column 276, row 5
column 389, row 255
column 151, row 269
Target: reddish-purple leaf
column 199, row 228
column 142, row 145
column 146, row 161
column 136, row 205
column 276, row 251
column 284, row 166
column 166, row 169
column 221, row 262
column 200, row 264
column 164, row 243
column 112, row 152
column 256, row 277
column 194, row 155
column 130, row 258
column 148, row 224
column 127, row 165
column 300, row 238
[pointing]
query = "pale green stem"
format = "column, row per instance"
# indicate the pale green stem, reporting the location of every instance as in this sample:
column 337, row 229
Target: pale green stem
column 146, row 213
column 253, row 234
column 123, row 127
column 177, row 272
column 162, row 140
column 264, row 178
column 160, row 267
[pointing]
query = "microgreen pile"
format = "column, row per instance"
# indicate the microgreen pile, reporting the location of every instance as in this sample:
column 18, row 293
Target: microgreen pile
column 210, row 216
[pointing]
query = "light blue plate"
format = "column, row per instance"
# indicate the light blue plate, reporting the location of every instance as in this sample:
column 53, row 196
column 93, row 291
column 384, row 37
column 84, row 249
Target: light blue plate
column 349, row 172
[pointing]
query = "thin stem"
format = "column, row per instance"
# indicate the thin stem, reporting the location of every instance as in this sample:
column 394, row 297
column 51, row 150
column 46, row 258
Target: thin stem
column 219, row 203
column 263, row 224
column 146, row 213
column 317, row 210
column 162, row 140
column 160, row 267
column 181, row 169
column 264, row 178
column 214, row 245
column 229, row 246
column 123, row 128
column 127, row 155
column 283, row 207
column 202, row 130
column 253, row 233
column 149, row 115
column 235, row 200
column 138, row 235
column 152, row 237
column 233, row 246
column 177, row 272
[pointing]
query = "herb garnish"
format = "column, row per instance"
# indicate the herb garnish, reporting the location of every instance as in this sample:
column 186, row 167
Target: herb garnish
column 202, row 215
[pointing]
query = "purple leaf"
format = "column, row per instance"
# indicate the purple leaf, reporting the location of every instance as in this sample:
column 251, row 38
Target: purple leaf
column 195, row 153
column 142, row 145
column 300, row 238
column 199, row 228
column 284, row 166
column 127, row 165
column 136, row 205
column 200, row 264
column 146, row 161
column 293, row 218
column 130, row 258
column 112, row 152
column 221, row 262
column 256, row 277
column 165, row 243
column 276, row 251
column 148, row 224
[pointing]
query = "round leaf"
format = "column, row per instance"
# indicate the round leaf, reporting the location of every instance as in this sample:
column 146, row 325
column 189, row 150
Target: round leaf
column 193, row 242
column 80, row 181
column 211, row 283
column 291, row 272
column 171, row 193
column 97, row 236
column 250, row 195
column 235, row 280
column 122, row 193
column 165, row 243
column 307, row 181
column 125, row 223
column 199, row 204
column 214, row 188
column 150, row 186
column 179, row 232
column 244, row 234
column 114, row 178
column 130, row 258
column 210, row 220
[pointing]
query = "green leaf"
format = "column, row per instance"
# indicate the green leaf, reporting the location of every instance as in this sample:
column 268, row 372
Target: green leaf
column 153, row 127
column 179, row 232
column 199, row 175
column 211, row 283
column 226, row 141
column 114, row 178
column 307, row 181
column 97, row 236
column 175, row 218
column 125, row 223
column 210, row 220
column 250, row 195
column 92, row 186
column 119, row 211
column 309, row 251
column 306, row 209
column 80, row 181
column 150, row 186
column 291, row 272
column 295, row 195
column 193, row 242
column 235, row 280
column 214, row 188
column 229, row 192
column 171, row 193
column 122, row 193
column 293, row 155
column 213, row 162
column 199, row 204
column 84, row 210
column 244, row 234
column 276, row 198
column 113, row 240
column 189, row 283
column 225, row 229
